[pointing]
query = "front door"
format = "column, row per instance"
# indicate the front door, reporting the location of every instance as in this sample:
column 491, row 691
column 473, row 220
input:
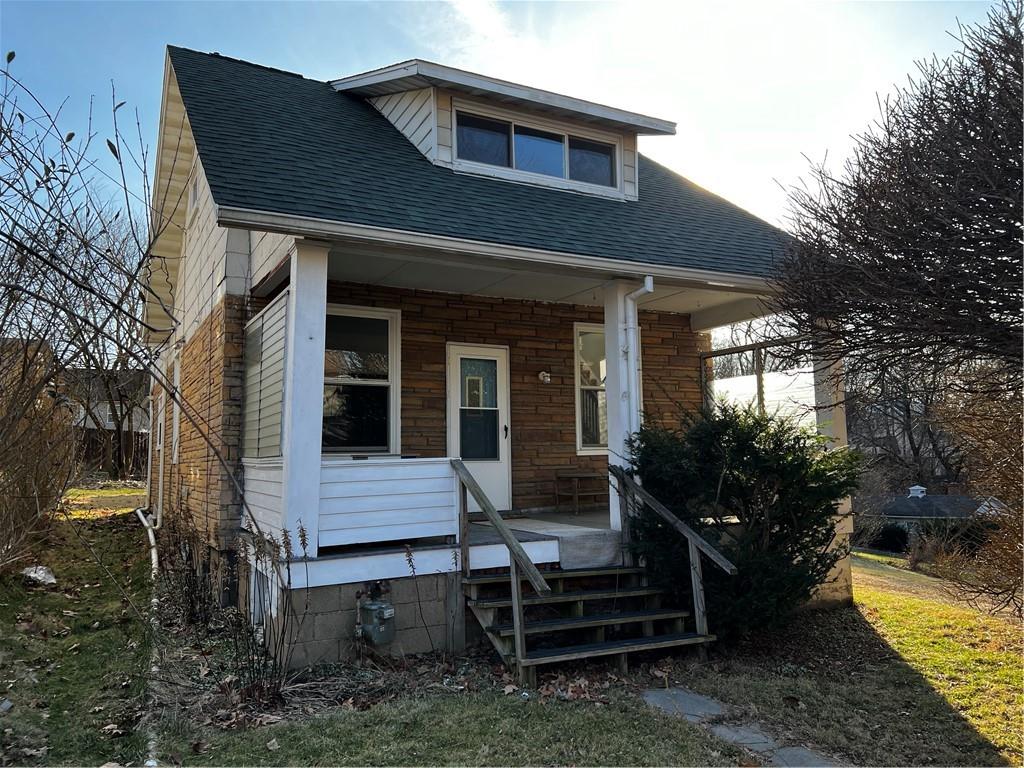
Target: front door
column 478, row 418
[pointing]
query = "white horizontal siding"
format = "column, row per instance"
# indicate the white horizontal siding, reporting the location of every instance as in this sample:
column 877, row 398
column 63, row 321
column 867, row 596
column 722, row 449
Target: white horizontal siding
column 261, row 485
column 386, row 500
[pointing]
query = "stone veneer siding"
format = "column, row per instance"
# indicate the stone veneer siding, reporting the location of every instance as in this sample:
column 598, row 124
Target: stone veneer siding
column 539, row 336
column 211, row 383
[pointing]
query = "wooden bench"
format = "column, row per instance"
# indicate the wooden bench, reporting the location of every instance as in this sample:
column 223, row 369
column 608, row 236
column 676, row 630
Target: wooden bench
column 576, row 484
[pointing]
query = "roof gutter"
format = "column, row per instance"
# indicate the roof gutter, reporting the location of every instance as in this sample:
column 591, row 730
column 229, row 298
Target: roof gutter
column 321, row 229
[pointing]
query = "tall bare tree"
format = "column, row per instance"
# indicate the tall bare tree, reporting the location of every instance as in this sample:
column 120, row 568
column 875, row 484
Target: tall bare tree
column 72, row 262
column 911, row 256
column 906, row 266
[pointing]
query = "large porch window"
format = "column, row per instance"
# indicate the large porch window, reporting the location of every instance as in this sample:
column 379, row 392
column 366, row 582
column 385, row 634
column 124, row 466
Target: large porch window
column 591, row 402
column 361, row 380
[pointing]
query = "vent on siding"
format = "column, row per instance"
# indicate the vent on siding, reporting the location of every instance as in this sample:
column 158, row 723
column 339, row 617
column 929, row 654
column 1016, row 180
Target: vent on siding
column 264, row 360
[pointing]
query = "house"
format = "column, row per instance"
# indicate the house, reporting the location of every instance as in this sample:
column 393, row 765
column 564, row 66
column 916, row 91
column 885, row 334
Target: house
column 409, row 303
column 918, row 507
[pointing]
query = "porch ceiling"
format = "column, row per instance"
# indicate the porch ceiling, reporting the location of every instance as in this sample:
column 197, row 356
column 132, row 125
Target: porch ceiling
column 452, row 273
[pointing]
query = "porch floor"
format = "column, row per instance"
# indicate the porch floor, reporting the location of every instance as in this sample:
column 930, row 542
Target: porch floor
column 585, row 540
column 481, row 534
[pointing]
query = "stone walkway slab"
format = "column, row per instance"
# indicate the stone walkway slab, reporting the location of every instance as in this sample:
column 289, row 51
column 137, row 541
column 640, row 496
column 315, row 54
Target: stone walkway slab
column 800, row 757
column 680, row 701
column 699, row 709
column 746, row 735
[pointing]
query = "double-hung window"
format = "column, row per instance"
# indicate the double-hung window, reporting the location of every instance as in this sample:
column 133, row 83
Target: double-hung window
column 591, row 405
column 361, row 381
column 532, row 149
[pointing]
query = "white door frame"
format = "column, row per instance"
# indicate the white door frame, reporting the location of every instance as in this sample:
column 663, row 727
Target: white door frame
column 500, row 353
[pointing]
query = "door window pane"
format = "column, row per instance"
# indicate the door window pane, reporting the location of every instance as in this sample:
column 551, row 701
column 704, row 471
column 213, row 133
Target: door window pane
column 478, row 416
column 482, row 140
column 593, row 418
column 479, row 383
column 478, row 434
column 355, row 417
column 539, row 152
column 592, row 162
column 356, row 348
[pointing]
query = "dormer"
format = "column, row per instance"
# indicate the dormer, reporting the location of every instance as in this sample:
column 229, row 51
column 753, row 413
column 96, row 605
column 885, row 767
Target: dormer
column 481, row 125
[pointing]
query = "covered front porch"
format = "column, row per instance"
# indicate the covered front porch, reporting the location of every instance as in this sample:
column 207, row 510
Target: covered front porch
column 372, row 367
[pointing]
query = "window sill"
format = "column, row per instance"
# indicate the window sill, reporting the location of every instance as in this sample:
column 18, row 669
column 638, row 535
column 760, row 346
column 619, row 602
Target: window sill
column 536, row 179
column 591, row 451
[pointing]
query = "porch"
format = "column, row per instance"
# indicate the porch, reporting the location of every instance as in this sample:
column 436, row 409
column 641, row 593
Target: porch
column 409, row 414
column 524, row 371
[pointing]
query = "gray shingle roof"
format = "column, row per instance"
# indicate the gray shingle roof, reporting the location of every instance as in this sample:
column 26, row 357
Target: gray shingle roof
column 275, row 141
column 952, row 507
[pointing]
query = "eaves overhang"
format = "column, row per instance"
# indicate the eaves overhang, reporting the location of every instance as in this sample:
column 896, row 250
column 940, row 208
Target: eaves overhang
column 417, row 73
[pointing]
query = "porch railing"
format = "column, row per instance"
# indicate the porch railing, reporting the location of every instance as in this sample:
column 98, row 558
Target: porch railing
column 631, row 490
column 519, row 562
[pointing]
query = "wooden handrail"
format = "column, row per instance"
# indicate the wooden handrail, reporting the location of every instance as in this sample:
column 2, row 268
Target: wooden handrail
column 666, row 515
column 515, row 549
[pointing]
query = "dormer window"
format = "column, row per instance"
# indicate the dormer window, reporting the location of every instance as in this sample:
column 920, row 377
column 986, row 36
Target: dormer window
column 484, row 141
column 539, row 151
column 534, row 150
column 591, row 162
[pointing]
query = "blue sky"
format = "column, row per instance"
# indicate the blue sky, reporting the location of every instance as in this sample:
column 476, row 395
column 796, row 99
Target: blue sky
column 753, row 86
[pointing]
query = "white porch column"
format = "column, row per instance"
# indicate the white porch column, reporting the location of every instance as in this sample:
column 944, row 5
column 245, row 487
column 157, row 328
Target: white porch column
column 303, row 393
column 616, row 386
column 829, row 395
column 830, row 414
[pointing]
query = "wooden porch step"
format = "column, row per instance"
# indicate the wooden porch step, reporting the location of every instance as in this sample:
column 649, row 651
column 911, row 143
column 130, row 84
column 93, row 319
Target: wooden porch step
column 566, row 597
column 502, row 578
column 582, row 622
column 611, row 648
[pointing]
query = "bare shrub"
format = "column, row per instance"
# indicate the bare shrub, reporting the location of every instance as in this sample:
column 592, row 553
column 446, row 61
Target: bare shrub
column 40, row 459
column 251, row 633
column 988, row 569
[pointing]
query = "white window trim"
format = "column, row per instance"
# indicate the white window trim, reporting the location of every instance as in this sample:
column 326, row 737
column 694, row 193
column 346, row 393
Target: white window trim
column 394, row 318
column 514, row 174
column 582, row 450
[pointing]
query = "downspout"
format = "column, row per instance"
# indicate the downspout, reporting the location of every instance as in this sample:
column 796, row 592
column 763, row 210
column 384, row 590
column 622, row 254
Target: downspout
column 154, row 569
column 149, row 448
column 633, row 356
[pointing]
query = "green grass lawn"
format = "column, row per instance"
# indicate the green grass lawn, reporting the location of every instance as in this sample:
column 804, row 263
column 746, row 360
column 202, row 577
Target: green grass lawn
column 865, row 558
column 484, row 728
column 906, row 677
column 896, row 561
column 972, row 660
column 71, row 656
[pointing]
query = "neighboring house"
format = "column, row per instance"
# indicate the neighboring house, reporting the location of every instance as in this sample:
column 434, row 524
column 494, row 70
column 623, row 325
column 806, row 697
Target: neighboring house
column 919, row 507
column 111, row 417
column 375, row 276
